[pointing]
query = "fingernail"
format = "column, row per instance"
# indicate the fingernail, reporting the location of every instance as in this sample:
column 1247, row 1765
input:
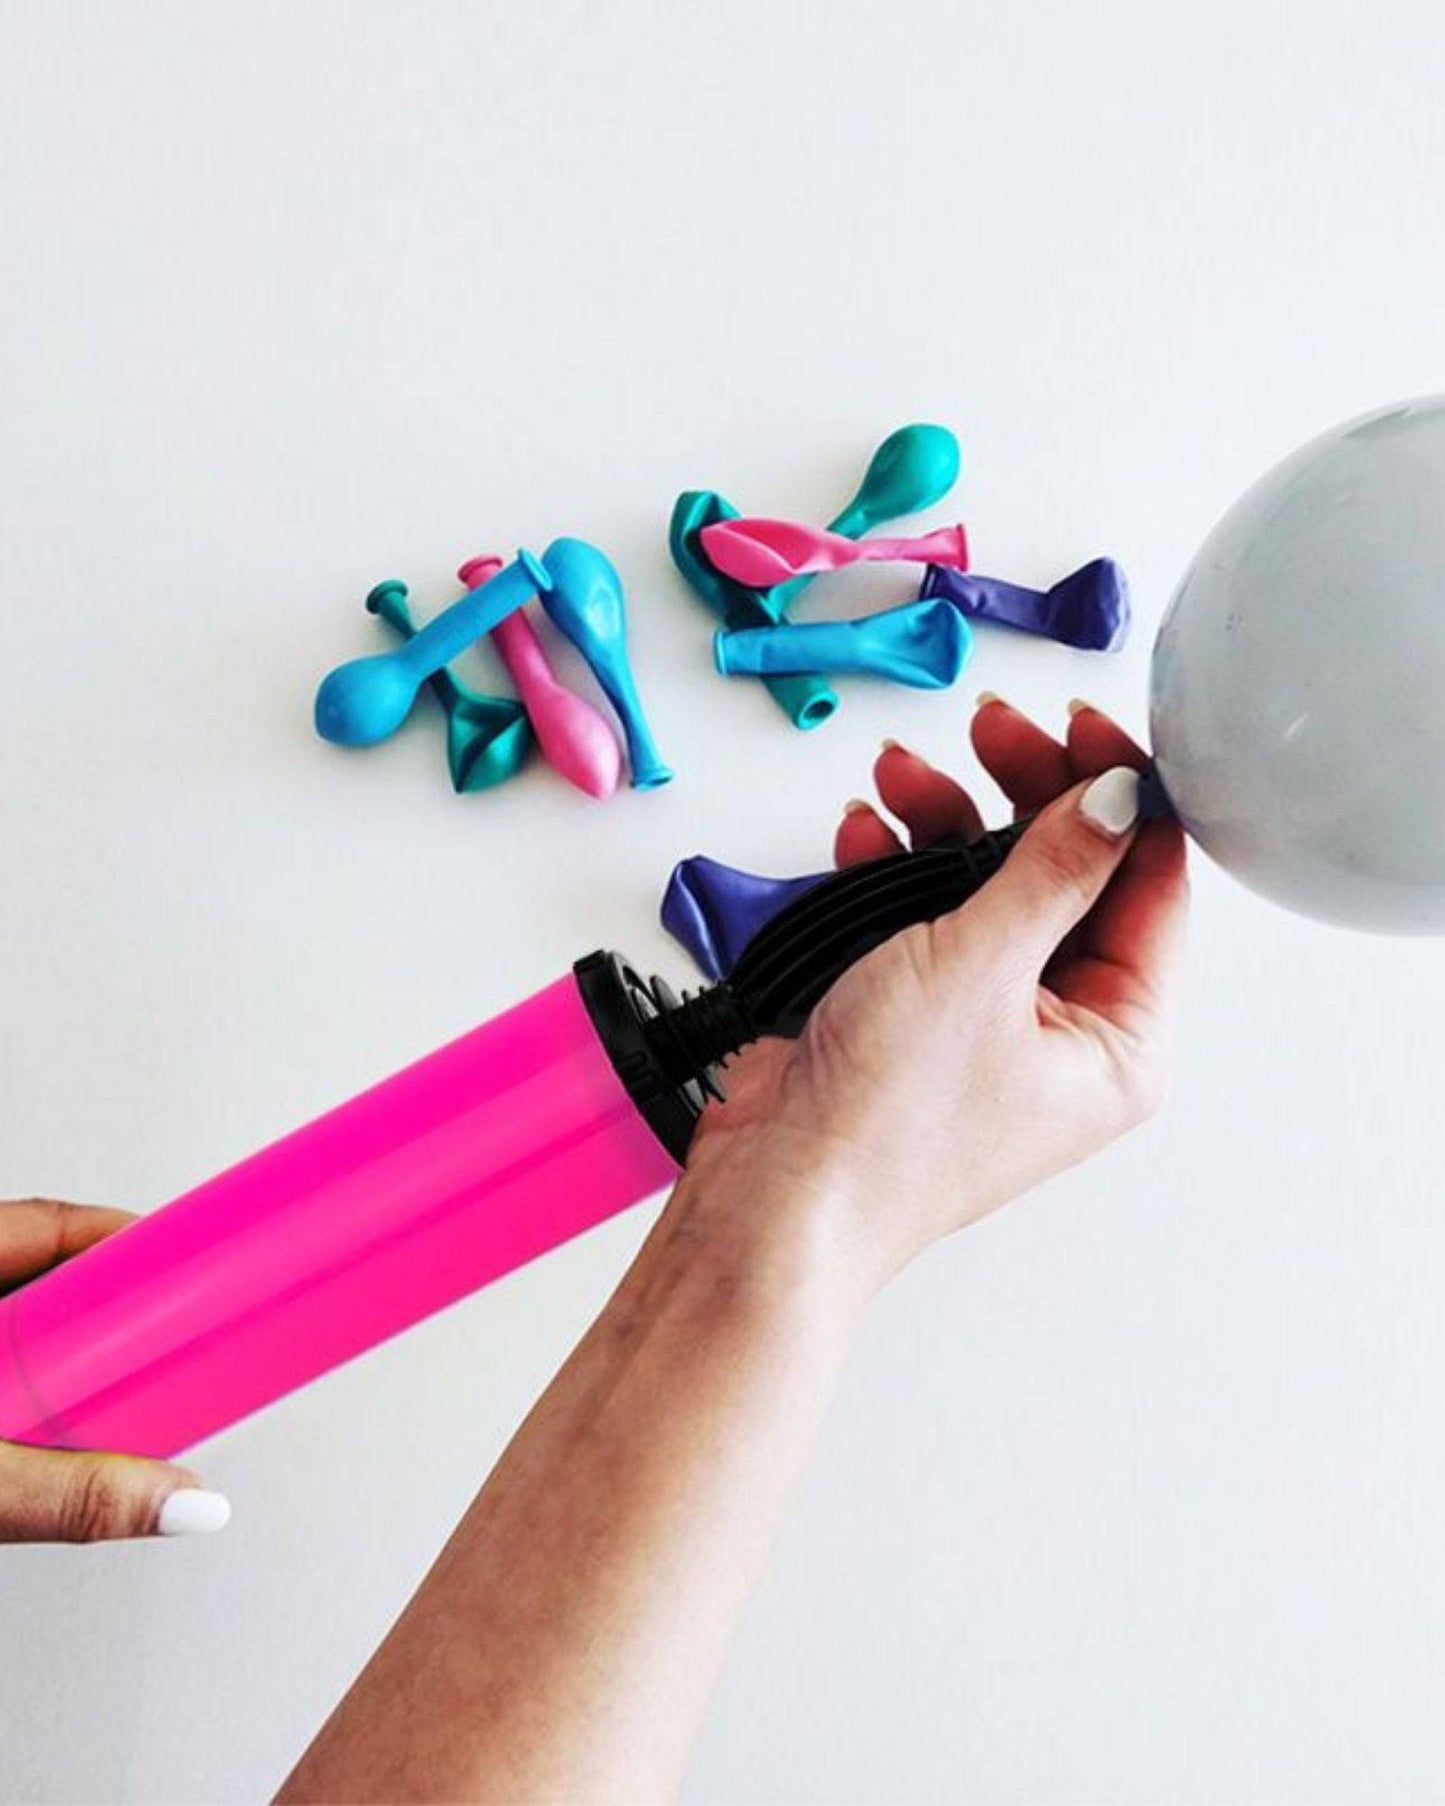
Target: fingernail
column 985, row 697
column 1111, row 803
column 855, row 805
column 891, row 745
column 1076, row 705
column 193, row 1512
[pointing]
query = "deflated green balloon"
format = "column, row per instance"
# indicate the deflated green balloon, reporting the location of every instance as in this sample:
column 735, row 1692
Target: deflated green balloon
column 488, row 737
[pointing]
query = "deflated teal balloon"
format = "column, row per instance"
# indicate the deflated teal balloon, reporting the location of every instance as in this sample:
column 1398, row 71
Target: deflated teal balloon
column 1298, row 690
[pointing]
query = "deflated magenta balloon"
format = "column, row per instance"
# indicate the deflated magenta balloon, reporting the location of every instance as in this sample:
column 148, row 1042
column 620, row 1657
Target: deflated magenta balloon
column 1089, row 608
column 922, row 644
column 762, row 552
column 575, row 740
column 1298, row 700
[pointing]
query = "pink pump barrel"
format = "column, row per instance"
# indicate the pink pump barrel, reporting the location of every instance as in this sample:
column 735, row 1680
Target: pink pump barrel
column 463, row 1166
column 761, row 553
column 575, row 739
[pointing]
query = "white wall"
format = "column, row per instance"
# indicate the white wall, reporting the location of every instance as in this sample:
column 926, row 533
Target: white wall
column 1135, row 1492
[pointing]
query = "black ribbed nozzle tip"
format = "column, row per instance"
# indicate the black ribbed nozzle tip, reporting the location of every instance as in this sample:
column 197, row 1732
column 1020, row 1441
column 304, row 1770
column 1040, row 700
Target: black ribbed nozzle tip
column 664, row 1048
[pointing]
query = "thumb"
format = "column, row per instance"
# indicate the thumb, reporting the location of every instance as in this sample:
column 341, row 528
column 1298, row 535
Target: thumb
column 56, row 1496
column 1058, row 871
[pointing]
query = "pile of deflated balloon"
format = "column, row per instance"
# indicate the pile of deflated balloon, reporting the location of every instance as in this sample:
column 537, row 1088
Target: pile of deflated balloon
column 749, row 571
column 489, row 737
column 1259, row 744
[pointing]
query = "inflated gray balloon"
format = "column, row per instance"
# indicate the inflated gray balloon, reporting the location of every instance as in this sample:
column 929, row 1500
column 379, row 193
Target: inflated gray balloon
column 1298, row 696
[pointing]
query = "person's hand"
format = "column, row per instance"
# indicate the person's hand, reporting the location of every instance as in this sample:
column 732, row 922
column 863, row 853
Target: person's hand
column 47, row 1495
column 967, row 1059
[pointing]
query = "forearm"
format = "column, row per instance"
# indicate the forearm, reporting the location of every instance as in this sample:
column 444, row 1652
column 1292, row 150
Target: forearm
column 568, row 1637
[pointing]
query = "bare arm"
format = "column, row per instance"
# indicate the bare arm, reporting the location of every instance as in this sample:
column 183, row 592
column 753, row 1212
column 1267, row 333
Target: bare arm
column 567, row 1639
column 565, row 1644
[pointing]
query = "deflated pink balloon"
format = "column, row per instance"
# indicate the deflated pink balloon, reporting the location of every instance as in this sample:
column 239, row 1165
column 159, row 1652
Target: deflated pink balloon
column 575, row 739
column 761, row 553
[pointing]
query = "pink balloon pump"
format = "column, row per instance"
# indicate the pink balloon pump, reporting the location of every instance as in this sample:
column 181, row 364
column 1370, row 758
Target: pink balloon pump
column 575, row 739
column 528, row 1130
column 760, row 553
column 451, row 1173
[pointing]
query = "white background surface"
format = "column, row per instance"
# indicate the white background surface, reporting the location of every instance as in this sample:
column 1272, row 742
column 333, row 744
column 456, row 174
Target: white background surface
column 1134, row 1493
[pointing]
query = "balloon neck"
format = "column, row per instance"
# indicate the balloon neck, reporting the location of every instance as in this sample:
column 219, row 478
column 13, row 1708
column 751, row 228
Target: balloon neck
column 1154, row 803
column 855, row 520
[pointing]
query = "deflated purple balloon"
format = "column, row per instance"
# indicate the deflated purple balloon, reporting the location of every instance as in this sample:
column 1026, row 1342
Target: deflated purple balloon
column 1089, row 608
column 713, row 910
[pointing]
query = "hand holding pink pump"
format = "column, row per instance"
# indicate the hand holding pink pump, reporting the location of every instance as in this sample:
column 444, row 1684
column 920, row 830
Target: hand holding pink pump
column 575, row 740
column 761, row 553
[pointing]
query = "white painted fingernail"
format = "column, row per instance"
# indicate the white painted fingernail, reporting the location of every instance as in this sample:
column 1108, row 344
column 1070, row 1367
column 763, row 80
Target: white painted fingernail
column 1111, row 803
column 193, row 1512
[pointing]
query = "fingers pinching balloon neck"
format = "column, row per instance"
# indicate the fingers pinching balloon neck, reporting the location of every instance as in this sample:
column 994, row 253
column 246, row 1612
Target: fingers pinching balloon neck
column 488, row 737
column 575, row 740
column 584, row 600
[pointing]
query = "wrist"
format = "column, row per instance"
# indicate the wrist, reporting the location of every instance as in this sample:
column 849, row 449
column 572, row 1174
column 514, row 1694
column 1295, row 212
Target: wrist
column 778, row 1226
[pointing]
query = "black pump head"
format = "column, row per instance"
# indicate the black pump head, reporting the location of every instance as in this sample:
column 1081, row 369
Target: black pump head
column 667, row 1049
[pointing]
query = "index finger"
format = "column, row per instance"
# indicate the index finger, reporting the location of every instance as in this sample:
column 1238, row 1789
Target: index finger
column 1095, row 743
column 1134, row 935
column 1138, row 923
column 1028, row 765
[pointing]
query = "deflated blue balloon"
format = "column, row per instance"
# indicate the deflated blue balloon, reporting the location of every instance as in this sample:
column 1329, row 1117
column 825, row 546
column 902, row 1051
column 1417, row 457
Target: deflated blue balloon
column 922, row 644
column 584, row 600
